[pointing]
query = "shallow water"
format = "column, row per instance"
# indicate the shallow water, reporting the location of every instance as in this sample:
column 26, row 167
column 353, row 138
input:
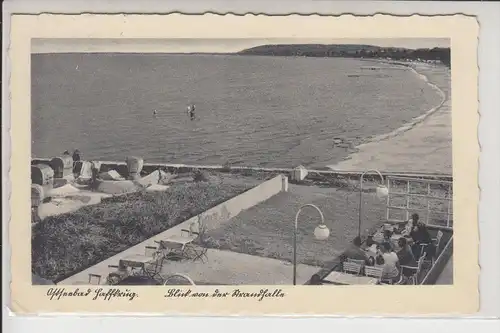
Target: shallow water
column 256, row 111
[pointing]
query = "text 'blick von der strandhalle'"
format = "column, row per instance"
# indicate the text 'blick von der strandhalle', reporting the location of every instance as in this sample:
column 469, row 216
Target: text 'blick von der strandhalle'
column 236, row 293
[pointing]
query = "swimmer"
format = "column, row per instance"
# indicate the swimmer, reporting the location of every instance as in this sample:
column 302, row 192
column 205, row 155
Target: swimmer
column 154, row 112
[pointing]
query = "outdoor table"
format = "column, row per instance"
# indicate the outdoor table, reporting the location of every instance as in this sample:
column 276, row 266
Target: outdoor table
column 379, row 236
column 136, row 261
column 182, row 240
column 180, row 243
column 341, row 278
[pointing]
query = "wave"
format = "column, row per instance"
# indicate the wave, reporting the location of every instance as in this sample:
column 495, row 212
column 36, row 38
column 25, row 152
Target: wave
column 415, row 121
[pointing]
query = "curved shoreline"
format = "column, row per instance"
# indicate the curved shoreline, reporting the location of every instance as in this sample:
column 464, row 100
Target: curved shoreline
column 416, row 120
column 406, row 126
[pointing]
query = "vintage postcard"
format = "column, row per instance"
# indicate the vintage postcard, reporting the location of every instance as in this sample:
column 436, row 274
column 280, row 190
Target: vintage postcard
column 224, row 165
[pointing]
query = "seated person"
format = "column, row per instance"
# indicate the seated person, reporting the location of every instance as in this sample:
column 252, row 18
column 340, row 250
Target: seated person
column 355, row 251
column 371, row 247
column 419, row 231
column 405, row 254
column 387, row 237
column 391, row 263
column 411, row 222
column 420, row 235
column 379, row 261
column 371, row 261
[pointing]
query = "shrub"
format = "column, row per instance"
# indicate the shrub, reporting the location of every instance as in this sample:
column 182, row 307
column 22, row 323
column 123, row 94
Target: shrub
column 226, row 167
column 65, row 244
column 200, row 176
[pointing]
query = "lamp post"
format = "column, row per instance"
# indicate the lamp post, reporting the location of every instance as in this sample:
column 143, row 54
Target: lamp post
column 382, row 191
column 321, row 232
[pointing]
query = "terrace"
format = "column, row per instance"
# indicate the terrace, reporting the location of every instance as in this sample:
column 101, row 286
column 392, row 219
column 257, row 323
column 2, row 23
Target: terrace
column 246, row 235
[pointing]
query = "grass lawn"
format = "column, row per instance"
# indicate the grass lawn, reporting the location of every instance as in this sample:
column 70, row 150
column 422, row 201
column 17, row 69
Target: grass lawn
column 267, row 229
column 65, row 244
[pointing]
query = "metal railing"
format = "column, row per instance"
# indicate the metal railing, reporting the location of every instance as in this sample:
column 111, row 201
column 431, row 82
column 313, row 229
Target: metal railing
column 425, row 200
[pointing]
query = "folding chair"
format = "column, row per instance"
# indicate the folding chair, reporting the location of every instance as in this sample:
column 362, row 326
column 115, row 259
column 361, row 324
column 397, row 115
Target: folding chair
column 428, row 250
column 199, row 253
column 172, row 251
column 195, row 248
column 154, row 267
column 400, row 279
column 351, row 267
column 374, row 272
column 117, row 275
column 437, row 240
column 357, row 261
column 150, row 251
column 94, row 279
column 413, row 272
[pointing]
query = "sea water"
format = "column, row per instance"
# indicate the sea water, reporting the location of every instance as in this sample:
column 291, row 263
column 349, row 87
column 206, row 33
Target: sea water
column 250, row 110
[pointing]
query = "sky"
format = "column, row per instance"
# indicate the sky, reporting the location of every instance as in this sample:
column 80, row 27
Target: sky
column 182, row 45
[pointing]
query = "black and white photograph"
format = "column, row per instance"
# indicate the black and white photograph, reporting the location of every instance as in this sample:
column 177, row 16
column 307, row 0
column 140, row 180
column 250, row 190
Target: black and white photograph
column 274, row 161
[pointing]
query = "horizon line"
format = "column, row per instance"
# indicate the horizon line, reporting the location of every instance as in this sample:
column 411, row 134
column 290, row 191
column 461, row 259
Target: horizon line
column 212, row 46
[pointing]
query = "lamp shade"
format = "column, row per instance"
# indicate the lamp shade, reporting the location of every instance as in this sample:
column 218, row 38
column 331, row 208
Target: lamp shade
column 382, row 191
column 321, row 232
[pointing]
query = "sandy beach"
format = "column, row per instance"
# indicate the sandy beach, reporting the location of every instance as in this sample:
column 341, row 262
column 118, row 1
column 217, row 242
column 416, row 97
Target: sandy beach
column 429, row 135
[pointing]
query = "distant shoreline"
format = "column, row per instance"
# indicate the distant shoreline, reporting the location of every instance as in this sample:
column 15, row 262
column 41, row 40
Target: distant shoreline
column 436, row 54
column 215, row 54
column 351, row 51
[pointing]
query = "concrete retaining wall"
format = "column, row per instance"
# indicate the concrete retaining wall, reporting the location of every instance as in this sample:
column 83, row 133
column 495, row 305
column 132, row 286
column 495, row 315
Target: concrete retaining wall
column 212, row 218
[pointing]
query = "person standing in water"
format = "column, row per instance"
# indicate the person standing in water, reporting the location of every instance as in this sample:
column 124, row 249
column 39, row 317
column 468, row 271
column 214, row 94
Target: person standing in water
column 76, row 155
column 191, row 111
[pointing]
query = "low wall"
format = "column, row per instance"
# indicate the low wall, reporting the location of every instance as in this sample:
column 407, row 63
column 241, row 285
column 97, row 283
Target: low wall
column 441, row 261
column 212, row 218
column 313, row 175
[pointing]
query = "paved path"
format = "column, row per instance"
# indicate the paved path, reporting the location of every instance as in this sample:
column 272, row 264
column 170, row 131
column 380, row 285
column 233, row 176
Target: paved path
column 425, row 147
column 223, row 267
column 231, row 268
column 70, row 203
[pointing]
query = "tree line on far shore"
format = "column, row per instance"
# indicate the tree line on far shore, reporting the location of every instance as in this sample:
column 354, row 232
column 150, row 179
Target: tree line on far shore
column 438, row 54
